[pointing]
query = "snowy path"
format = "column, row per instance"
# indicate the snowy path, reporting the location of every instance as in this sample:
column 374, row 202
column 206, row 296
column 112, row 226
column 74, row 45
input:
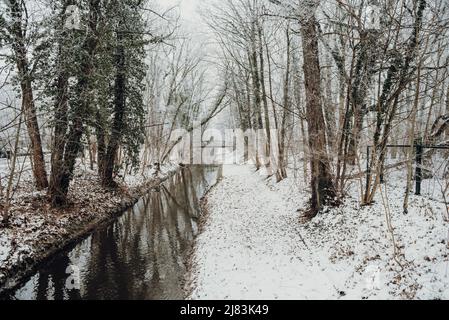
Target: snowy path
column 251, row 247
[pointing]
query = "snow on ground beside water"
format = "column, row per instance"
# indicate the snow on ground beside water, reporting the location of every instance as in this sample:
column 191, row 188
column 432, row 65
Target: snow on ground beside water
column 140, row 177
column 4, row 247
column 82, row 169
column 252, row 245
column 30, row 218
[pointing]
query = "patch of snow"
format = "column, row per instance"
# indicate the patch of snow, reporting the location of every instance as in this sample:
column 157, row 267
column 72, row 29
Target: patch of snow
column 5, row 246
column 253, row 245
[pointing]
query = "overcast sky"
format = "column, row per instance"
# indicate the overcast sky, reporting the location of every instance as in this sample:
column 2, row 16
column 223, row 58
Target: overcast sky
column 187, row 8
column 191, row 20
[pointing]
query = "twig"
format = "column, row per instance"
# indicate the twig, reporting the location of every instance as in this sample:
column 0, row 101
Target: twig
column 389, row 225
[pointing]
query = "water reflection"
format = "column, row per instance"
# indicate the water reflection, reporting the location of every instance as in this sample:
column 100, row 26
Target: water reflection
column 140, row 256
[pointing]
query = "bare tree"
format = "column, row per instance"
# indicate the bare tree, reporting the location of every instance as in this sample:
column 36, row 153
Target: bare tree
column 321, row 182
column 17, row 29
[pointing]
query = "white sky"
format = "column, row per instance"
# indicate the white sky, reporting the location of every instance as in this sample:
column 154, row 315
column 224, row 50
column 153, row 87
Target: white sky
column 191, row 20
column 187, row 8
column 193, row 24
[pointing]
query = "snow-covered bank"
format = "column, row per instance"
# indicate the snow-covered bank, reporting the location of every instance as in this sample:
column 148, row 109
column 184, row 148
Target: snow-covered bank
column 36, row 231
column 253, row 245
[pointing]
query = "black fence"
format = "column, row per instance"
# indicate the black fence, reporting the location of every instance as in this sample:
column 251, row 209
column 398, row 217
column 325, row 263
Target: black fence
column 419, row 152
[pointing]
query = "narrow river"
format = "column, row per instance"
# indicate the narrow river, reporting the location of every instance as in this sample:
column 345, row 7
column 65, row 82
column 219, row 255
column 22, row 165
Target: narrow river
column 142, row 255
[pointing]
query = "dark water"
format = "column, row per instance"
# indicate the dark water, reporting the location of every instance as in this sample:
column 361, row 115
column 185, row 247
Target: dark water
column 140, row 256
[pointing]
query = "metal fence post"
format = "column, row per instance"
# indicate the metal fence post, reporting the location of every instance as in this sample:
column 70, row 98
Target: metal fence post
column 418, row 170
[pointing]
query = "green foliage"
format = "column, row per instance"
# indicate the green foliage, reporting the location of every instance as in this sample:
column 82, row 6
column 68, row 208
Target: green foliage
column 64, row 53
column 126, row 18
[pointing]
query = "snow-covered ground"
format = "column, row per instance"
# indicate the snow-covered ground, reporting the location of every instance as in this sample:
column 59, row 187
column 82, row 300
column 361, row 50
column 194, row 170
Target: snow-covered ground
column 23, row 175
column 253, row 245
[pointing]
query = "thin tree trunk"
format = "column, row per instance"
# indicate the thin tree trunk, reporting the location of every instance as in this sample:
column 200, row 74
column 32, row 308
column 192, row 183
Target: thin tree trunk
column 411, row 141
column 447, row 111
column 28, row 106
column 282, row 172
column 388, row 103
column 5, row 214
column 101, row 142
column 253, row 62
column 264, row 98
column 61, row 125
column 89, row 149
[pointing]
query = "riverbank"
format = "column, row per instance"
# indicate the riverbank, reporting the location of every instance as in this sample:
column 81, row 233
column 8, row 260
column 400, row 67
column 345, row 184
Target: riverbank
column 36, row 231
column 253, row 245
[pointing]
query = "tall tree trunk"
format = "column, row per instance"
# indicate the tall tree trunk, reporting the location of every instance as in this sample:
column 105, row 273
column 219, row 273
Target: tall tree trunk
column 412, row 140
column 447, row 111
column 264, row 98
column 363, row 73
column 282, row 172
column 69, row 146
column 321, row 180
column 28, row 106
column 257, row 112
column 60, row 131
column 330, row 115
column 119, row 113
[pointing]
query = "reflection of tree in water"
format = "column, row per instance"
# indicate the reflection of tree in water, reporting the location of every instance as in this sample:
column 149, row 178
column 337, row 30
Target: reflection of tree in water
column 142, row 255
column 166, row 208
column 186, row 205
column 121, row 260
column 172, row 210
column 107, row 276
column 153, row 212
column 191, row 199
